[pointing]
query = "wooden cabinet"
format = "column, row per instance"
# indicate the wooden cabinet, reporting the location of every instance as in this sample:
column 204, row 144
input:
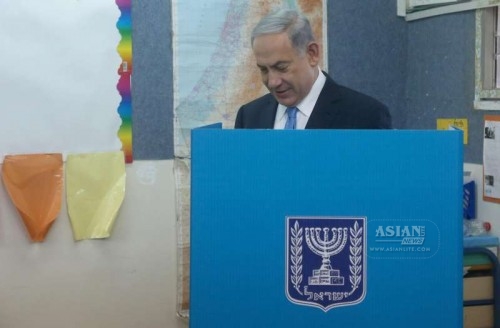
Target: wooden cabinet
column 478, row 316
column 478, row 289
column 481, row 289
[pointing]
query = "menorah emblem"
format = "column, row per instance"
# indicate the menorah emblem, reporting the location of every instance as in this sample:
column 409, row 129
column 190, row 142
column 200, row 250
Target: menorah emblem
column 326, row 247
column 336, row 240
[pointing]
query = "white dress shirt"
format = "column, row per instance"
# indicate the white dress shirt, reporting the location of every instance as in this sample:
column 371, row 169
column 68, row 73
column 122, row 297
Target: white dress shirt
column 305, row 106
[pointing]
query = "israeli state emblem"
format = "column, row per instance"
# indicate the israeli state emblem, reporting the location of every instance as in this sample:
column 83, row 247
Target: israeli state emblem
column 325, row 261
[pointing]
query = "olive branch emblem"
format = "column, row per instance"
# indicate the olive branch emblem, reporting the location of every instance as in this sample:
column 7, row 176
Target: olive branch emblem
column 296, row 256
column 355, row 256
column 355, row 250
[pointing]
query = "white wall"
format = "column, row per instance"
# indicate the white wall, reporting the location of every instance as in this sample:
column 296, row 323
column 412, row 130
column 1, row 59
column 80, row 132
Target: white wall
column 128, row 280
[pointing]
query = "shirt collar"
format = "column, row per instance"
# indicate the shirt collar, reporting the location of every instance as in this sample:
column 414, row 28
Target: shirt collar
column 306, row 106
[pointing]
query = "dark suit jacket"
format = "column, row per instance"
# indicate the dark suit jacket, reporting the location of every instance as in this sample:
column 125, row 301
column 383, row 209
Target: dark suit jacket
column 337, row 107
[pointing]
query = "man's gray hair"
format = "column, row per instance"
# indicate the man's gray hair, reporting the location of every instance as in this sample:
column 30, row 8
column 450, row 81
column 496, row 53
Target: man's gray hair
column 286, row 20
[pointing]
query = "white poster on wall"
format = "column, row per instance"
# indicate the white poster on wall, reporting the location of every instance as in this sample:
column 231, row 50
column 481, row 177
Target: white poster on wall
column 58, row 76
column 491, row 158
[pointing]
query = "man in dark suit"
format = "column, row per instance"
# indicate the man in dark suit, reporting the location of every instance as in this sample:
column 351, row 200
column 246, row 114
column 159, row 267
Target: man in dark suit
column 301, row 95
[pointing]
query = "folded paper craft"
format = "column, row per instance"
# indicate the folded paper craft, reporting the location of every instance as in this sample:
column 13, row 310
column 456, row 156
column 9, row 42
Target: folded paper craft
column 34, row 184
column 95, row 189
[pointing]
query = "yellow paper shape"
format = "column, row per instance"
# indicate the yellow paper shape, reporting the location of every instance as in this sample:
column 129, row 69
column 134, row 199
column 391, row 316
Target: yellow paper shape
column 34, row 184
column 95, row 189
column 454, row 124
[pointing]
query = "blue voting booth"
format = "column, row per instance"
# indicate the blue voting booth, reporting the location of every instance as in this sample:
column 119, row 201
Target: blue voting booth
column 326, row 228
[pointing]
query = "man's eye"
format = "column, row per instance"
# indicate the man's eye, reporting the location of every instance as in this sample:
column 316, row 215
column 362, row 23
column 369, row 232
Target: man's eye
column 282, row 68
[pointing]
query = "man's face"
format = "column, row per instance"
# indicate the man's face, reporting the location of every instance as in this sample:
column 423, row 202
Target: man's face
column 288, row 74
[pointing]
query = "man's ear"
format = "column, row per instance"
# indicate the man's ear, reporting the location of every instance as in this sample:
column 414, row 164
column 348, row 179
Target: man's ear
column 313, row 53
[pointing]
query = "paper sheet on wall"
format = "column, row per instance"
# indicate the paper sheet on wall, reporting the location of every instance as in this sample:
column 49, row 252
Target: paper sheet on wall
column 58, row 76
column 34, row 183
column 95, row 190
column 491, row 158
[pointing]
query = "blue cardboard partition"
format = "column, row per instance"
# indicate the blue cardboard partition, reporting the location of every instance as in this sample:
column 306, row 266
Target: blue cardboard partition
column 326, row 228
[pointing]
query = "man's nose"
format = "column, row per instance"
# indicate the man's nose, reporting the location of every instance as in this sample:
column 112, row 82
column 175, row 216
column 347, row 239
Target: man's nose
column 274, row 79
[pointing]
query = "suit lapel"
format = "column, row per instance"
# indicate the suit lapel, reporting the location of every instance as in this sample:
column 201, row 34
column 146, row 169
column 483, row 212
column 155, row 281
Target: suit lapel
column 322, row 114
column 268, row 113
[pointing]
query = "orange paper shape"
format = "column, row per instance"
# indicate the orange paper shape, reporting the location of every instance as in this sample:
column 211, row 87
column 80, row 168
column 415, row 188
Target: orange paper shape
column 34, row 184
column 95, row 189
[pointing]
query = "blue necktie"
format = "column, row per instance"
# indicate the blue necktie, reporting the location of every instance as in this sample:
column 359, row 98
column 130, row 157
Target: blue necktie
column 291, row 121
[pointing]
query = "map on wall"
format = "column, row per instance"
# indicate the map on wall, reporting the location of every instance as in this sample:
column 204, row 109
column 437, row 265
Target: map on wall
column 214, row 74
column 65, row 71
